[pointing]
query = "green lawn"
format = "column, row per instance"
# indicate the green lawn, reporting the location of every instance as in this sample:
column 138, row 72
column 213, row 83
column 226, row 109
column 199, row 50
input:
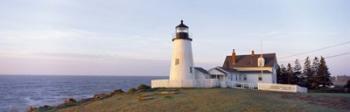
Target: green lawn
column 216, row 100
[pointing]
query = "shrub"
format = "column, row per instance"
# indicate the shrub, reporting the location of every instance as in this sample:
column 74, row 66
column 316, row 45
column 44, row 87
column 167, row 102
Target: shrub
column 101, row 96
column 70, row 100
column 118, row 91
column 347, row 86
column 132, row 90
column 143, row 87
column 45, row 108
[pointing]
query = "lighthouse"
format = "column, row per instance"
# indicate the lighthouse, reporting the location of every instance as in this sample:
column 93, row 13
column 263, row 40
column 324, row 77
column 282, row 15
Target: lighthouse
column 181, row 68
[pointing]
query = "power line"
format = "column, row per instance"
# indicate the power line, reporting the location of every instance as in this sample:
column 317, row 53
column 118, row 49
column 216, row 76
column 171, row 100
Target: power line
column 316, row 50
column 334, row 56
column 328, row 57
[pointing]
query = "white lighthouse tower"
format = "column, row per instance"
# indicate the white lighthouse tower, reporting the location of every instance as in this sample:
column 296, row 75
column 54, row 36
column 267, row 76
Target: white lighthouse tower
column 181, row 68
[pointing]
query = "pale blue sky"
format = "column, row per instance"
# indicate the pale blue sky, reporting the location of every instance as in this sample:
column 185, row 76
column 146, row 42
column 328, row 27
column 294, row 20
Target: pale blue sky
column 133, row 37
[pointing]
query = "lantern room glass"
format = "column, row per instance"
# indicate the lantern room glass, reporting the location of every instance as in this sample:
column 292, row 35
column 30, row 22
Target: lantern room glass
column 181, row 30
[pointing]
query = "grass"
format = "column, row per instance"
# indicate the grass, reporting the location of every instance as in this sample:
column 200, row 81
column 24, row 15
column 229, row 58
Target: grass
column 216, row 100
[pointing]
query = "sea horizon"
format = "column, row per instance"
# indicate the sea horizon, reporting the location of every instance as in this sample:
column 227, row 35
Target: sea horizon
column 82, row 75
column 19, row 92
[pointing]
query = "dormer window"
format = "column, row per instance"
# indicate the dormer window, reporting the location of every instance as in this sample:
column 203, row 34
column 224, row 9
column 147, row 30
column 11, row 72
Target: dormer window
column 261, row 61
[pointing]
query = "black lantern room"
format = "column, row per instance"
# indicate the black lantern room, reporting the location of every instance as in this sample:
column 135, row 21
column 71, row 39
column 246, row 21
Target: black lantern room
column 182, row 32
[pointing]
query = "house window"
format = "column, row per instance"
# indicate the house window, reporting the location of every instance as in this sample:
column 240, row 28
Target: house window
column 177, row 61
column 260, row 78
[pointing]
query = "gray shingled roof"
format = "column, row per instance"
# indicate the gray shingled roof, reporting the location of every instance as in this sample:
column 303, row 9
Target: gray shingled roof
column 200, row 69
column 250, row 60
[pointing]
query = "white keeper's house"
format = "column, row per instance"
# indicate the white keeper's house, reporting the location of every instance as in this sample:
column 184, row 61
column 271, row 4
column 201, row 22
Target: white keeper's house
column 238, row 71
column 248, row 69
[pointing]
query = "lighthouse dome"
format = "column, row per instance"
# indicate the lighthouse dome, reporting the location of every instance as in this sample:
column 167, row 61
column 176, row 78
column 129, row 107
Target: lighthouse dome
column 181, row 32
column 181, row 28
column 181, row 25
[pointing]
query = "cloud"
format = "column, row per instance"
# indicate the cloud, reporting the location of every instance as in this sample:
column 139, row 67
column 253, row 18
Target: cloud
column 75, row 41
column 77, row 52
column 115, row 66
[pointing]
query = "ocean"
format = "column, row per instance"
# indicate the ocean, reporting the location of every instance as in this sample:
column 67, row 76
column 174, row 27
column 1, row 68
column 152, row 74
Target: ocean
column 18, row 92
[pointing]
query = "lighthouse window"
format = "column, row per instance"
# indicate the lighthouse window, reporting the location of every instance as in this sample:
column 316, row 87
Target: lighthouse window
column 177, row 61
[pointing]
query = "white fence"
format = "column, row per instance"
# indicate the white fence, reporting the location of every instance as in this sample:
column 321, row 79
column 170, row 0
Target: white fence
column 243, row 85
column 210, row 83
column 207, row 83
column 160, row 83
column 281, row 88
column 202, row 83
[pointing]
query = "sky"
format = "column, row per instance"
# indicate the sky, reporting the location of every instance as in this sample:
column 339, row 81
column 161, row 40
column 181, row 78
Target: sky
column 133, row 37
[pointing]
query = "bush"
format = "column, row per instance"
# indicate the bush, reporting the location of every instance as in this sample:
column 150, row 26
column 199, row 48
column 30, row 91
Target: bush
column 132, row 90
column 143, row 87
column 70, row 101
column 118, row 91
column 101, row 96
column 347, row 86
column 45, row 108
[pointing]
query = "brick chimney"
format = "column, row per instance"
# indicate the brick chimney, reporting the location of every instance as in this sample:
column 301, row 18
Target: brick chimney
column 252, row 57
column 233, row 57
